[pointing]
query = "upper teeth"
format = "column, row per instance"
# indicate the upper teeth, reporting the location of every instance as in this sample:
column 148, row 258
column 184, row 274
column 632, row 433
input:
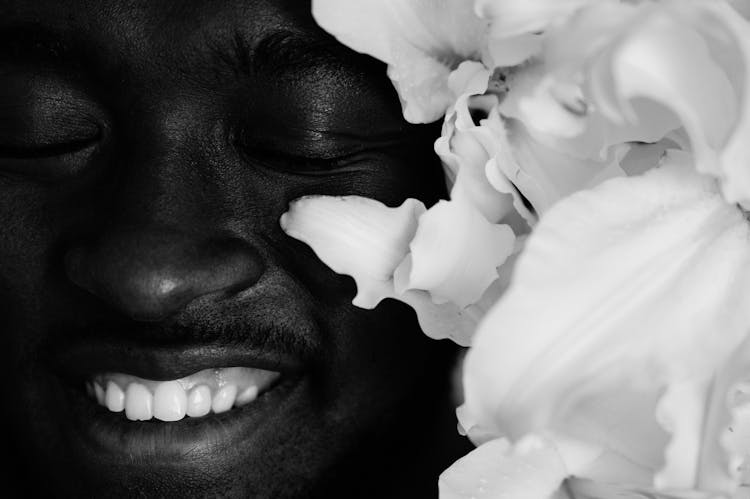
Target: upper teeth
column 210, row 390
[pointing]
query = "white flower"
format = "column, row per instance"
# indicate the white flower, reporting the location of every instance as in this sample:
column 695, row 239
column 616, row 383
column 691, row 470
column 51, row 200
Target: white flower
column 617, row 363
column 390, row 253
column 622, row 343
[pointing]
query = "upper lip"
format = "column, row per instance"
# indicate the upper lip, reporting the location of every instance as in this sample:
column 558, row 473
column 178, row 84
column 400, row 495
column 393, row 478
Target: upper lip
column 85, row 358
column 271, row 334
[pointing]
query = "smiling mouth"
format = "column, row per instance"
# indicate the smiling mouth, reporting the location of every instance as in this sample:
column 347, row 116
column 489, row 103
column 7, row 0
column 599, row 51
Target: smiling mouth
column 169, row 405
column 216, row 391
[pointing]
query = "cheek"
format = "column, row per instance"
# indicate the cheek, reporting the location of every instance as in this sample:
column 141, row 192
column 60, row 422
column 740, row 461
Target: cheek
column 33, row 287
column 25, row 245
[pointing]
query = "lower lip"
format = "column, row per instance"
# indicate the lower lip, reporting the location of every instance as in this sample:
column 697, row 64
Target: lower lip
column 110, row 436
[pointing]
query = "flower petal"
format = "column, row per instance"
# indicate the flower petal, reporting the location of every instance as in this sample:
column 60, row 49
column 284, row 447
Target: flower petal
column 682, row 412
column 531, row 469
column 356, row 236
column 511, row 18
column 725, row 445
column 658, row 61
column 456, row 252
column 445, row 320
column 590, row 489
column 545, row 175
column 735, row 35
column 507, row 52
column 421, row 41
column 633, row 285
column 742, row 6
column 464, row 147
column 369, row 241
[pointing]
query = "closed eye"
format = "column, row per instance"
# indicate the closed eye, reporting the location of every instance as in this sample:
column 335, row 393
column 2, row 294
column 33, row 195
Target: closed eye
column 48, row 150
column 290, row 162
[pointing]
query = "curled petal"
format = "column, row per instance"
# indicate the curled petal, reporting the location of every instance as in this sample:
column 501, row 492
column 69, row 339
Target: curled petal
column 420, row 83
column 657, row 61
column 463, row 148
column 501, row 166
column 422, row 42
column 531, row 469
column 633, row 285
column 356, row 236
column 469, row 78
column 456, row 252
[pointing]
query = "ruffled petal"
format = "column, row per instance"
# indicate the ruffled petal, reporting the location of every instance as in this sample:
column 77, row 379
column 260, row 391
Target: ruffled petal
column 465, row 148
column 446, row 320
column 456, row 252
column 369, row 241
column 531, row 469
column 634, row 285
column 421, row 41
column 356, row 236
column 725, row 444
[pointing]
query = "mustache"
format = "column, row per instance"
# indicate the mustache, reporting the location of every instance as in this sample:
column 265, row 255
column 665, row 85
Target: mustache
column 286, row 329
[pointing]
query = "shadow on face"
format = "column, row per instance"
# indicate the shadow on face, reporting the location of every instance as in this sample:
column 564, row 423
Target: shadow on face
column 147, row 151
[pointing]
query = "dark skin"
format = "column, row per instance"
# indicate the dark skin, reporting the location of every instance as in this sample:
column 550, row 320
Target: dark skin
column 147, row 152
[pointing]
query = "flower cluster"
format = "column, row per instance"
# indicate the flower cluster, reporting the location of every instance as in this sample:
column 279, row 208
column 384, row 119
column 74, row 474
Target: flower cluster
column 595, row 250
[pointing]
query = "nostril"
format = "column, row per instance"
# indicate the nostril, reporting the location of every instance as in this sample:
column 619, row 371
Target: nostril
column 151, row 274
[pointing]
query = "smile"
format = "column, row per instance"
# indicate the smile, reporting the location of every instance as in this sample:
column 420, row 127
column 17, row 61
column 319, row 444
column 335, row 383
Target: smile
column 176, row 406
column 207, row 391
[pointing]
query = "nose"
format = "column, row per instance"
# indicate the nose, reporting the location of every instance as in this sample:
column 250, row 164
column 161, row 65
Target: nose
column 150, row 274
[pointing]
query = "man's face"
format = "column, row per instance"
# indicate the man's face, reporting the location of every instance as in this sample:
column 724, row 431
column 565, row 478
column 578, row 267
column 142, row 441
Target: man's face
column 147, row 152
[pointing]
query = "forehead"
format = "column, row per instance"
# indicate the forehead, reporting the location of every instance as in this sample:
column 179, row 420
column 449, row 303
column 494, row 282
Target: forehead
column 169, row 49
column 163, row 21
column 167, row 32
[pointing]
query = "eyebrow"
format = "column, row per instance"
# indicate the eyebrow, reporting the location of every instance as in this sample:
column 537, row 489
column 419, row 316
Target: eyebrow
column 277, row 53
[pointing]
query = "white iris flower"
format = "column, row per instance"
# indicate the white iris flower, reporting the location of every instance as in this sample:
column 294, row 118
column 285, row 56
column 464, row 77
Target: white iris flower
column 598, row 151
